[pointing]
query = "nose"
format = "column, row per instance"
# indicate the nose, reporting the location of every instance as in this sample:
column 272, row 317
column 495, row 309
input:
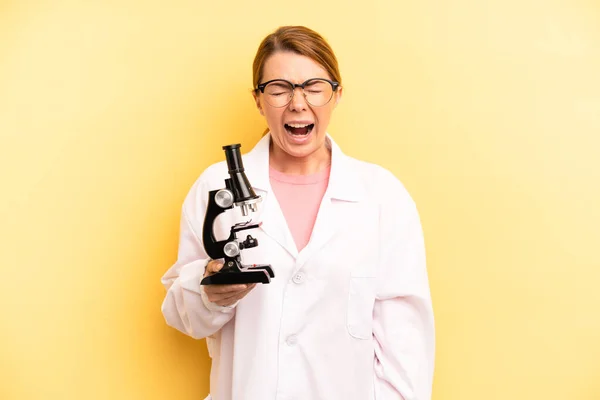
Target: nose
column 298, row 102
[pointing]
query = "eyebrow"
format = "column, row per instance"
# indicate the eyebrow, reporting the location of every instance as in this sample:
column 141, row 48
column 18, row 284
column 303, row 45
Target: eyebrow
column 279, row 83
column 297, row 82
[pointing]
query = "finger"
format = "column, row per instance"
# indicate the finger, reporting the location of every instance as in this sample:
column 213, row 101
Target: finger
column 224, row 289
column 231, row 300
column 219, row 292
column 213, row 267
column 226, row 304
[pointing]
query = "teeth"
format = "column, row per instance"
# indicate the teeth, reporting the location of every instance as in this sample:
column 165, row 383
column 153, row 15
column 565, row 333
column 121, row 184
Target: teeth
column 298, row 125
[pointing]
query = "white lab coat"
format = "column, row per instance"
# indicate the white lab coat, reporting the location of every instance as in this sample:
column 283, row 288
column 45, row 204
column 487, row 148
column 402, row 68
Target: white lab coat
column 347, row 318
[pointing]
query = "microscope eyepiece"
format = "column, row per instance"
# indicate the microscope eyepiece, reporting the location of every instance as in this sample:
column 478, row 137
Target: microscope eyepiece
column 234, row 158
column 240, row 186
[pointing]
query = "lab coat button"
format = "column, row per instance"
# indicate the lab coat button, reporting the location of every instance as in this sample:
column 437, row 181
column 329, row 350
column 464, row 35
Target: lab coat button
column 298, row 278
column 292, row 340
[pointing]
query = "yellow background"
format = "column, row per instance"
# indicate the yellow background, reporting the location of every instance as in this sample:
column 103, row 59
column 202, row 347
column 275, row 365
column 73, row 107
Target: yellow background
column 488, row 111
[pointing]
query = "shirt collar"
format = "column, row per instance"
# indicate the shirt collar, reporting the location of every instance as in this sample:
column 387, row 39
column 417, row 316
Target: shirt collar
column 343, row 184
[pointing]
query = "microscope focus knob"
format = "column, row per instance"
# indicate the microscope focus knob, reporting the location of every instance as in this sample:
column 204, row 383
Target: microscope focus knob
column 231, row 249
column 224, row 198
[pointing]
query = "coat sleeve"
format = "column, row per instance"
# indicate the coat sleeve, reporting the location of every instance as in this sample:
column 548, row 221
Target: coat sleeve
column 185, row 306
column 403, row 326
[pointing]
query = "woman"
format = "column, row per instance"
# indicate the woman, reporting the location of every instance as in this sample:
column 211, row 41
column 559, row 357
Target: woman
column 348, row 315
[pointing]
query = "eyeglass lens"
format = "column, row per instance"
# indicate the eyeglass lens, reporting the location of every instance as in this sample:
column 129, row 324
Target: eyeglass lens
column 317, row 93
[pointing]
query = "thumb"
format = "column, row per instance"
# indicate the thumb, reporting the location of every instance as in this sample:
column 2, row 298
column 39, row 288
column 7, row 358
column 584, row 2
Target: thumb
column 212, row 267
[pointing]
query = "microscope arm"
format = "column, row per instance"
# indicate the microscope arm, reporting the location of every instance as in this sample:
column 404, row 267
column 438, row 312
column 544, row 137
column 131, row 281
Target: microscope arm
column 214, row 248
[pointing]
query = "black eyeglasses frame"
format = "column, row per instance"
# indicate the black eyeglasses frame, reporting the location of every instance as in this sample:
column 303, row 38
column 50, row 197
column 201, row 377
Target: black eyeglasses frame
column 261, row 87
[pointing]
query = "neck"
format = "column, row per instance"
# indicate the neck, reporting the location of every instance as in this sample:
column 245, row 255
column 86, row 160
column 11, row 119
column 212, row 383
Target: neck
column 311, row 164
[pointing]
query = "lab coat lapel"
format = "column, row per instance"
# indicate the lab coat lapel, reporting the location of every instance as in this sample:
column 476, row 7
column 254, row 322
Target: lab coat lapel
column 325, row 226
column 273, row 224
column 341, row 198
column 271, row 218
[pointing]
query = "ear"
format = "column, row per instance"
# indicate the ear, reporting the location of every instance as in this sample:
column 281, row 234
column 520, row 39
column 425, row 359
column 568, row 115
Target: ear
column 338, row 95
column 257, row 101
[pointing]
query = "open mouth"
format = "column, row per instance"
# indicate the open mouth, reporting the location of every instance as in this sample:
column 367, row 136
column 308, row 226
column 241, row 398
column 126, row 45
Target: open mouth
column 299, row 129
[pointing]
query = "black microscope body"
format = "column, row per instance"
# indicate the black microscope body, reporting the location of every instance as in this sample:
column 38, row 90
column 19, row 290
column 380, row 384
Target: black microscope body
column 237, row 192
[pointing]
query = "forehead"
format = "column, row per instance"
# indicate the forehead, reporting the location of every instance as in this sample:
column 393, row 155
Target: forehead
column 292, row 67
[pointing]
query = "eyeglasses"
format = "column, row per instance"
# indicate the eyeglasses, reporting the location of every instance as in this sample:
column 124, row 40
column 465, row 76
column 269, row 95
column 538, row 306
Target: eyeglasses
column 279, row 92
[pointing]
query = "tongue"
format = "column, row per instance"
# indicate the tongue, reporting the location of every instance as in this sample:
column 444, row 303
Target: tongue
column 299, row 131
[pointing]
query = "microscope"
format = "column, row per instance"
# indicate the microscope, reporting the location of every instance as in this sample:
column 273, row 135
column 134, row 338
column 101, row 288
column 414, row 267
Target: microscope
column 237, row 192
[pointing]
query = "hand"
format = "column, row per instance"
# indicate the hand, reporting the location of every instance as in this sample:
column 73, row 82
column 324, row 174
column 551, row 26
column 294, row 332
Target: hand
column 224, row 295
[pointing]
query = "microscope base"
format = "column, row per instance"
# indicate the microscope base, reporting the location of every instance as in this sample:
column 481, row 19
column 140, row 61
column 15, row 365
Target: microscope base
column 246, row 276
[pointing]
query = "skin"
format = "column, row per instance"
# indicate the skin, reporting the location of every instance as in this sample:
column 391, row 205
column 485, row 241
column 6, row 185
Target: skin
column 224, row 295
column 285, row 154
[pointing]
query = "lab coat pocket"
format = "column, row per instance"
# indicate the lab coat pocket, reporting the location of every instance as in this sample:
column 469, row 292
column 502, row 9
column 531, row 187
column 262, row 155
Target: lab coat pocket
column 361, row 298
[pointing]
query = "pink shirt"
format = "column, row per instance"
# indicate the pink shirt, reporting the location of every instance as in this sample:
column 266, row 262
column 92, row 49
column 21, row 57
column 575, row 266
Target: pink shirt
column 299, row 198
